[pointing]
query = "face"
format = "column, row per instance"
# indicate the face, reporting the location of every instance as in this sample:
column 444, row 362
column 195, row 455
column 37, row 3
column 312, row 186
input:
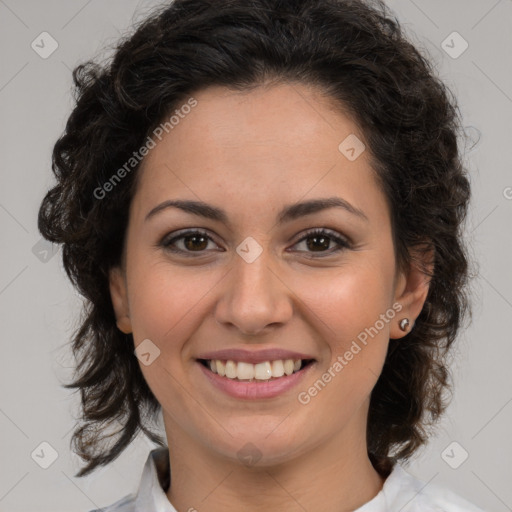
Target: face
column 248, row 276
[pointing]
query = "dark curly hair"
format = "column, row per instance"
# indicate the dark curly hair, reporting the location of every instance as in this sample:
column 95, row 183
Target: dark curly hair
column 354, row 51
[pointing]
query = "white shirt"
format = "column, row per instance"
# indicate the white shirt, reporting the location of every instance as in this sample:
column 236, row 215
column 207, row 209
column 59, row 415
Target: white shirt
column 401, row 492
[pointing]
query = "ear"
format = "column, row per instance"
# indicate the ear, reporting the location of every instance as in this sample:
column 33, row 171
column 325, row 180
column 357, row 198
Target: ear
column 412, row 288
column 118, row 294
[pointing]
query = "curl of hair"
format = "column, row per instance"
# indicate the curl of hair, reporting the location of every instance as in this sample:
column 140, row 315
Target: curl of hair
column 356, row 53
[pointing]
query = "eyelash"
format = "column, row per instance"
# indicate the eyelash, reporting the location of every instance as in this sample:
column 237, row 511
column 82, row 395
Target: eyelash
column 342, row 243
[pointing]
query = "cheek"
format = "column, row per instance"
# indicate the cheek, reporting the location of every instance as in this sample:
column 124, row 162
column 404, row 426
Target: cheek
column 165, row 299
column 166, row 307
column 349, row 300
column 352, row 313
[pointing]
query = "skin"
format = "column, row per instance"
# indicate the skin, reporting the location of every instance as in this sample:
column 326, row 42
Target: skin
column 252, row 154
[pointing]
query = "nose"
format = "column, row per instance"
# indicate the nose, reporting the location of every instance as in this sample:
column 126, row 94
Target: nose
column 254, row 297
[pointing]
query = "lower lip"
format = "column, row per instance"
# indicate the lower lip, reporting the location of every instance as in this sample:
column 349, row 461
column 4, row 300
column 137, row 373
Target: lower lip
column 255, row 390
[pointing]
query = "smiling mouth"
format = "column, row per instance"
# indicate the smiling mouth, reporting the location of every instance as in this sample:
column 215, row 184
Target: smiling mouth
column 261, row 372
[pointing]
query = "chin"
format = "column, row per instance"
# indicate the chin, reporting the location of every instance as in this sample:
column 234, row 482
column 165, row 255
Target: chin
column 260, row 443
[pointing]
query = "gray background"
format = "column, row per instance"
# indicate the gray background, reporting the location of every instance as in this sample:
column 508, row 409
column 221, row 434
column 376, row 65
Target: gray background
column 39, row 308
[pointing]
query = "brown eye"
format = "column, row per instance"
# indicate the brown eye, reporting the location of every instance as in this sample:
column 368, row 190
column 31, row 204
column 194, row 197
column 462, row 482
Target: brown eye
column 195, row 242
column 320, row 241
column 187, row 242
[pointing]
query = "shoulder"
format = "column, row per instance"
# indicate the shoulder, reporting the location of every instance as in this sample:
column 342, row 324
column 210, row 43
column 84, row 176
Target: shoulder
column 150, row 494
column 415, row 495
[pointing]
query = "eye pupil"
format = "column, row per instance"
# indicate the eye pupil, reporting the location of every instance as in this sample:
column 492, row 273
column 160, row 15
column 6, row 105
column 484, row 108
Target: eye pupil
column 323, row 240
column 194, row 239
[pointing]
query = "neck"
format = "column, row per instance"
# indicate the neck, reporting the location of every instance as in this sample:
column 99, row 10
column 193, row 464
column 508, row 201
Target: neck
column 335, row 476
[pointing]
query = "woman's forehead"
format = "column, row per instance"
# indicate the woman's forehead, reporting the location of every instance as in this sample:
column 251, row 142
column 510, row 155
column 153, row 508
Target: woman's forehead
column 228, row 147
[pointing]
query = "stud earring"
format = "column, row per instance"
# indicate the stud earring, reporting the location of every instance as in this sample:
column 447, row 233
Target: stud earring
column 404, row 324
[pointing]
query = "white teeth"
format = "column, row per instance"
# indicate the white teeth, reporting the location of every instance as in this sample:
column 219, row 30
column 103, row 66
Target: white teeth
column 221, row 368
column 260, row 371
column 278, row 368
column 245, row 371
column 231, row 369
column 288, row 366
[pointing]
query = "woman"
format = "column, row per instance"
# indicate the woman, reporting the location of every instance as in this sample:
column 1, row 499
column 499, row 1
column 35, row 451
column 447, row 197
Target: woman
column 262, row 204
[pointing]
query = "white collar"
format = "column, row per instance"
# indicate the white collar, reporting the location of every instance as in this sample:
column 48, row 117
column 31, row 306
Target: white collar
column 154, row 483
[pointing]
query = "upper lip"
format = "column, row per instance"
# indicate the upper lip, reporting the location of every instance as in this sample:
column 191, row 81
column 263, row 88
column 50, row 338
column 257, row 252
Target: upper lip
column 253, row 356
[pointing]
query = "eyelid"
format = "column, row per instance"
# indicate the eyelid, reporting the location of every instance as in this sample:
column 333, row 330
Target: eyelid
column 177, row 235
column 342, row 242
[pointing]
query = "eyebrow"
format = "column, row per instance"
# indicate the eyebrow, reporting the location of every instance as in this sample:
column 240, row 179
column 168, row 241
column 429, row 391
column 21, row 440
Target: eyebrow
column 287, row 214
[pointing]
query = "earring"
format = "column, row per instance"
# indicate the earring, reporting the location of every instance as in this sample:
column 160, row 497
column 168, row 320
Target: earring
column 404, row 324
